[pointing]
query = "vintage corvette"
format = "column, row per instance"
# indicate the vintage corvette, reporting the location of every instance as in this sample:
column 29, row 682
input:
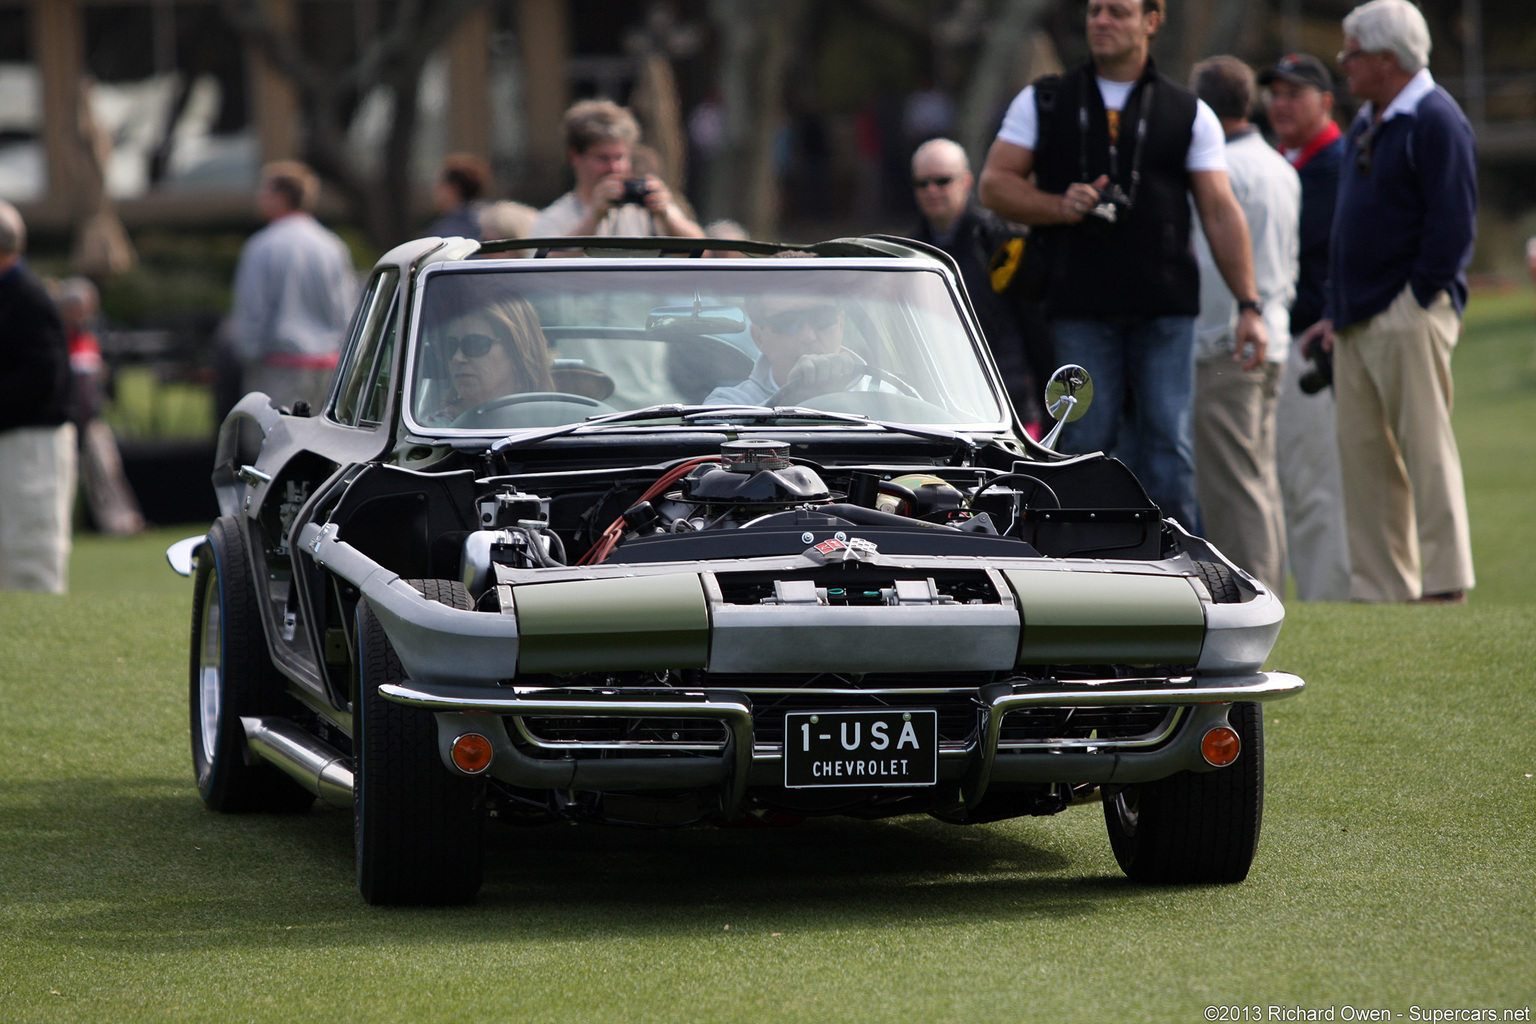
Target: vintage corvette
column 559, row 546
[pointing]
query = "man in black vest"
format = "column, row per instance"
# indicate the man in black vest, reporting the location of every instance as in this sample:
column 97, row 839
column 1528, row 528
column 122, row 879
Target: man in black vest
column 1116, row 150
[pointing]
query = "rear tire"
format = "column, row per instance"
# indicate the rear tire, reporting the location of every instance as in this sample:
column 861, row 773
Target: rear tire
column 419, row 828
column 1194, row 827
column 232, row 676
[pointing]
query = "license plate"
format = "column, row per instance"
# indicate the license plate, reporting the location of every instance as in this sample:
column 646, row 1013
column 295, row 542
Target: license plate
column 860, row 748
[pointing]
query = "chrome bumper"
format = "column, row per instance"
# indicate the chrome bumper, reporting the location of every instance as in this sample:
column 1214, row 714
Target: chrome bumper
column 466, row 708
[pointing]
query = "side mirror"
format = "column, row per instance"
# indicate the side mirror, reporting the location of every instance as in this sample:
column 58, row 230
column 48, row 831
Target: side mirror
column 1067, row 396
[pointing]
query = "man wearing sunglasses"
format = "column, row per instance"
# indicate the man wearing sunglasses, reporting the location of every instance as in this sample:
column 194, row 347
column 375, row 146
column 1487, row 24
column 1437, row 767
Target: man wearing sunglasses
column 952, row 220
column 801, row 341
column 1299, row 100
column 1402, row 238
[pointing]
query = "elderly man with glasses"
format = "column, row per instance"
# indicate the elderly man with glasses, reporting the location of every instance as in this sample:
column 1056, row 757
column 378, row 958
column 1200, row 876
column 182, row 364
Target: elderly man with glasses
column 1402, row 238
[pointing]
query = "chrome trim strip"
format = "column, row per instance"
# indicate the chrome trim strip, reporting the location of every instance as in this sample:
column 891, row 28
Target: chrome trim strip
column 313, row 764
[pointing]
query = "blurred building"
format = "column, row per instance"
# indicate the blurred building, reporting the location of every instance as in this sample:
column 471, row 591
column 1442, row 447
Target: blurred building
column 191, row 105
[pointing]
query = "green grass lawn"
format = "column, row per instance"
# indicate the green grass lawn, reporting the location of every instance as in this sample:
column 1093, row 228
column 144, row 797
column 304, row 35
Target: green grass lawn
column 1396, row 868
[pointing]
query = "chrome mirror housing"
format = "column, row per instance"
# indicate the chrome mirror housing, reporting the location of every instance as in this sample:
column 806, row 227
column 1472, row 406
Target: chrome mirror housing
column 1067, row 396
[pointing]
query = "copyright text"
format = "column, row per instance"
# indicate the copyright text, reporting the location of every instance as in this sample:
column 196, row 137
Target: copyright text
column 1275, row 1012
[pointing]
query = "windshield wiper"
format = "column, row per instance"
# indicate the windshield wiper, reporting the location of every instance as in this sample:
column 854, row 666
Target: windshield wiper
column 760, row 413
column 800, row 412
column 650, row 412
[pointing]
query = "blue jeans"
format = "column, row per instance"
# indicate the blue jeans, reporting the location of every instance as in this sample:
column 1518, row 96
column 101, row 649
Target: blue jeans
column 1143, row 372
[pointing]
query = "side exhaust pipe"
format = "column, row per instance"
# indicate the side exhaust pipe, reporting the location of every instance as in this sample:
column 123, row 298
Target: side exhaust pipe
column 318, row 767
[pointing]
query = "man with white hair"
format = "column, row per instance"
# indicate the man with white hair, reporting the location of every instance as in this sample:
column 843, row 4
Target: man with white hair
column 1402, row 238
column 37, row 440
column 954, row 221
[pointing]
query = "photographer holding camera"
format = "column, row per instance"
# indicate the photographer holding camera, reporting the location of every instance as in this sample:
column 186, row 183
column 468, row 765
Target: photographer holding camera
column 609, row 197
column 1116, row 151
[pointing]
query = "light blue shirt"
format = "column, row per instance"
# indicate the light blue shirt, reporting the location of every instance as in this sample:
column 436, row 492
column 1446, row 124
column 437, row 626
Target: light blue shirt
column 294, row 290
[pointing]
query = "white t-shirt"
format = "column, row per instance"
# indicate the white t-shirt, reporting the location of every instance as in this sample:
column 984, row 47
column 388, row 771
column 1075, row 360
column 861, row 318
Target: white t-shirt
column 1207, row 144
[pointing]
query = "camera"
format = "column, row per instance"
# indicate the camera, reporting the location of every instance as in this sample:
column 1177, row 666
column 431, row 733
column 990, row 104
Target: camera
column 635, row 191
column 1113, row 204
column 1321, row 374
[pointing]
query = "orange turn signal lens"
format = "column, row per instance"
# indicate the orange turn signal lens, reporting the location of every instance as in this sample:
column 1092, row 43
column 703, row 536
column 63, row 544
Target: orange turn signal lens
column 472, row 753
column 1221, row 746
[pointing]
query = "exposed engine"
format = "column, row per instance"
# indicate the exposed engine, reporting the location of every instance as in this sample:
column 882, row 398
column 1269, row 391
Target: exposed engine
column 754, row 485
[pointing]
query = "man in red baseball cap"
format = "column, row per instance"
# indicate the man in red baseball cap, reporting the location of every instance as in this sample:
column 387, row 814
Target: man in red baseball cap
column 1299, row 102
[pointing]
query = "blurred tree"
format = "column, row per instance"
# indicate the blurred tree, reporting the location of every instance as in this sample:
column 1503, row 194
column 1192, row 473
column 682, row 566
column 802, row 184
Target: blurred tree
column 755, row 38
column 391, row 57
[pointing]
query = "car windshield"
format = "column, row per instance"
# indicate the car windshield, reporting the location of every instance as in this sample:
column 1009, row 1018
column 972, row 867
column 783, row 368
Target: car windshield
column 518, row 345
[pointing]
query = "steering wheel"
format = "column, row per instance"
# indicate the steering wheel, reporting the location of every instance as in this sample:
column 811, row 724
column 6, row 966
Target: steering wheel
column 472, row 417
column 794, row 394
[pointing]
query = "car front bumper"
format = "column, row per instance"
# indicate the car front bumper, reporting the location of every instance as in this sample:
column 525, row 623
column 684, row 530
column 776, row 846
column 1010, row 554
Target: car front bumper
column 742, row 762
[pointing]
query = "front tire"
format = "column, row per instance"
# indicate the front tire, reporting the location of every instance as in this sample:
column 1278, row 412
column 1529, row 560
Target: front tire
column 419, row 828
column 1194, row 827
column 232, row 676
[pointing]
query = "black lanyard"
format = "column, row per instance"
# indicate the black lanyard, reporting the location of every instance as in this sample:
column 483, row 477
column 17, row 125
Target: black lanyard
column 1144, row 111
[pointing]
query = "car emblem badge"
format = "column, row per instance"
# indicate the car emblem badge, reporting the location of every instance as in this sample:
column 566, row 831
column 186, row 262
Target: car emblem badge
column 854, row 549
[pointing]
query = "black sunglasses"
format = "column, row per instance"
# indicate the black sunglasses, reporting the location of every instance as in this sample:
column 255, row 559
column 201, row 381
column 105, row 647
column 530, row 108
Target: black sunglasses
column 942, row 181
column 793, row 321
column 474, row 345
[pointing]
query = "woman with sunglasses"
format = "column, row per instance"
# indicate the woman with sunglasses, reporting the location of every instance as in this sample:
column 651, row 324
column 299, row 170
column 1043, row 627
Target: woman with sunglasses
column 492, row 351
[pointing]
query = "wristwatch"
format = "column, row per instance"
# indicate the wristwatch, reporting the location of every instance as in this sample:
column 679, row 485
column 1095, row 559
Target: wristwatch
column 1247, row 304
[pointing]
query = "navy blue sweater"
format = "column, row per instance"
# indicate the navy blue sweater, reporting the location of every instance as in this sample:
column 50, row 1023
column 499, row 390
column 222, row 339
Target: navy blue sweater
column 1409, row 219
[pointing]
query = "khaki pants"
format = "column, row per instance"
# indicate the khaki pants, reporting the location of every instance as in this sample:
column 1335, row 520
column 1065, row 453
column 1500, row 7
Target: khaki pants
column 37, row 503
column 1235, row 479
column 1404, row 500
column 1311, row 488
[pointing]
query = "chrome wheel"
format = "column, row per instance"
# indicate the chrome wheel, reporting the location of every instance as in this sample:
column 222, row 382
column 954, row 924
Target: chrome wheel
column 210, row 667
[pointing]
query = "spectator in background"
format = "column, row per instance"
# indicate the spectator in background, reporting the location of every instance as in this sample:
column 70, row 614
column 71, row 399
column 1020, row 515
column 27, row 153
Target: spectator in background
column 1234, row 412
column 37, row 440
column 294, row 291
column 1530, row 256
column 600, row 138
column 1300, row 108
column 507, row 219
column 461, row 181
column 1105, row 159
column 1402, row 239
column 109, row 500
column 727, row 229
column 953, row 221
